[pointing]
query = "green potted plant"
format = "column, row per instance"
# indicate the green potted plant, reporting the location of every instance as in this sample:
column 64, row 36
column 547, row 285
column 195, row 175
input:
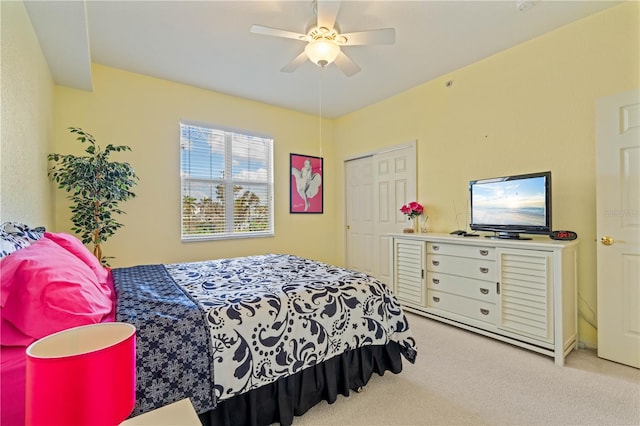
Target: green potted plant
column 96, row 186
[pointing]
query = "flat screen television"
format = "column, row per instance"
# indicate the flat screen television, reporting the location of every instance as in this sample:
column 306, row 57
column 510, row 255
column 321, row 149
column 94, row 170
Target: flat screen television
column 512, row 205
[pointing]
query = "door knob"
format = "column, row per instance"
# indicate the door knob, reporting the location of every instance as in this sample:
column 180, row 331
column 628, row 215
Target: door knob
column 607, row 240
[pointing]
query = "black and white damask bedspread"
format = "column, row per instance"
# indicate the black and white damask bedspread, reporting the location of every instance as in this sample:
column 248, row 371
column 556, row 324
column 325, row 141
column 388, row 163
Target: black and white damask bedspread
column 271, row 316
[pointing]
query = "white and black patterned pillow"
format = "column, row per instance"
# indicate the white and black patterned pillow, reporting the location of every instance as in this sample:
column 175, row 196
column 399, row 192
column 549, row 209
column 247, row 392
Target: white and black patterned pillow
column 16, row 235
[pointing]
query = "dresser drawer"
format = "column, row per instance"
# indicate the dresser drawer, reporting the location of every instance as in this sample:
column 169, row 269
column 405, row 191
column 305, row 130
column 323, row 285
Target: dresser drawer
column 469, row 287
column 481, row 311
column 474, row 252
column 461, row 266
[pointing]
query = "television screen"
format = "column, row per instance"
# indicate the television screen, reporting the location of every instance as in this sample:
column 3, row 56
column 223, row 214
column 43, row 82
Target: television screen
column 514, row 204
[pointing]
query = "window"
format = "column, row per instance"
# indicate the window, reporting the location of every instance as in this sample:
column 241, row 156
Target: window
column 227, row 183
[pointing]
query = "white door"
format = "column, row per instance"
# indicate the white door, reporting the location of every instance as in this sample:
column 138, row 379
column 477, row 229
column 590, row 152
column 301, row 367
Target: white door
column 618, row 227
column 395, row 185
column 377, row 185
column 359, row 214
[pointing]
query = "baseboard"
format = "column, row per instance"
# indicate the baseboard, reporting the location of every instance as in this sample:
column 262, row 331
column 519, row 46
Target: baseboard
column 587, row 345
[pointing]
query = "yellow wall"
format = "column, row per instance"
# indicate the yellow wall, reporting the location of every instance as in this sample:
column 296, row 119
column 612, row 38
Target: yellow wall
column 144, row 113
column 26, row 121
column 527, row 109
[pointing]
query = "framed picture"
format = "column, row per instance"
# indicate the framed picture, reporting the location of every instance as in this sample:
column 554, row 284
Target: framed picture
column 306, row 190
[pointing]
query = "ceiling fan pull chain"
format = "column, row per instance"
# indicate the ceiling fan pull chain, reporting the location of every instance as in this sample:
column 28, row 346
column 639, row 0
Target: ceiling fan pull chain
column 320, row 109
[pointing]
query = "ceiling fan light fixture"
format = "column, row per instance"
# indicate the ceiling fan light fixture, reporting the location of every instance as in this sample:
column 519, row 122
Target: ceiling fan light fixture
column 322, row 51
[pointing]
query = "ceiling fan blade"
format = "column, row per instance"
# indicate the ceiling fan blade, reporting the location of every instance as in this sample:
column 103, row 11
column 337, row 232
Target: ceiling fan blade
column 327, row 11
column 295, row 63
column 275, row 32
column 382, row 36
column 346, row 65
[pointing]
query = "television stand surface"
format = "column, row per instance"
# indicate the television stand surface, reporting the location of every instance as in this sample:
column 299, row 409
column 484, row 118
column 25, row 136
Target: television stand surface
column 507, row 236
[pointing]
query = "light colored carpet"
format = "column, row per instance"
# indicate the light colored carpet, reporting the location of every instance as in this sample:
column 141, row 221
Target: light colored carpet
column 461, row 378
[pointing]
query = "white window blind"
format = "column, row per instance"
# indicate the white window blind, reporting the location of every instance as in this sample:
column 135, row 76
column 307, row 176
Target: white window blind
column 227, row 183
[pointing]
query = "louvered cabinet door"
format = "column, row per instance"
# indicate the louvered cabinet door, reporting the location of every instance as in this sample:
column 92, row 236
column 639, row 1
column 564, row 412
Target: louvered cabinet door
column 408, row 270
column 525, row 301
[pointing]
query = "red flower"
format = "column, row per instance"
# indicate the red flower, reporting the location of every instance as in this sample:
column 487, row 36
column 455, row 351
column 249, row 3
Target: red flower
column 412, row 209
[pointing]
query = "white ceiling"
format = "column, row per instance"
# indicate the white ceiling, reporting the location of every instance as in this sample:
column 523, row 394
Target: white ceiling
column 207, row 44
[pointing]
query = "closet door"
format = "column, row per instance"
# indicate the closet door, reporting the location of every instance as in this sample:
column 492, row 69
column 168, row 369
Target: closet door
column 377, row 185
column 359, row 214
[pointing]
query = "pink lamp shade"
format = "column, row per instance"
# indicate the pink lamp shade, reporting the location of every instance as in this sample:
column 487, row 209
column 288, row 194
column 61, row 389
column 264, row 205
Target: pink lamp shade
column 82, row 376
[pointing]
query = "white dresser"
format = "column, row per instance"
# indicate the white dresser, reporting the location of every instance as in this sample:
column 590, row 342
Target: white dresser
column 519, row 291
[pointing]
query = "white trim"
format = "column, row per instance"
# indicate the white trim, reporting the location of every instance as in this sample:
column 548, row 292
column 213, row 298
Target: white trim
column 409, row 144
column 226, row 129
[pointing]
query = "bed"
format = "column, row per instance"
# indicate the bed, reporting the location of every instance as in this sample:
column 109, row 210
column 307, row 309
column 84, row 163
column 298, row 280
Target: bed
column 251, row 340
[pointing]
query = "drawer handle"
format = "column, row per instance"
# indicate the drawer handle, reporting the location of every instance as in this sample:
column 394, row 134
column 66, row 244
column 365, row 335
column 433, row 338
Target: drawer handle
column 484, row 270
column 435, row 262
column 436, row 299
column 484, row 311
column 484, row 252
column 484, row 290
column 435, row 248
column 435, row 280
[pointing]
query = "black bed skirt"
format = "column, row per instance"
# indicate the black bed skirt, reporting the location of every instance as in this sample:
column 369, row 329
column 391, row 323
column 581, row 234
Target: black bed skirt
column 292, row 396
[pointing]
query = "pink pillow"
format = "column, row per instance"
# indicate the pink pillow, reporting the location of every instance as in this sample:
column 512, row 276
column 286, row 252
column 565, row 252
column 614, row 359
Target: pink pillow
column 75, row 246
column 78, row 249
column 49, row 289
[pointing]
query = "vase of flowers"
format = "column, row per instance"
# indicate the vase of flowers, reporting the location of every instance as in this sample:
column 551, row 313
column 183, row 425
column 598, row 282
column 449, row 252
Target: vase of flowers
column 413, row 210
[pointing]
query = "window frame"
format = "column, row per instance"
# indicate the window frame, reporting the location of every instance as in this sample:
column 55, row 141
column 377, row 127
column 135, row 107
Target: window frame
column 229, row 184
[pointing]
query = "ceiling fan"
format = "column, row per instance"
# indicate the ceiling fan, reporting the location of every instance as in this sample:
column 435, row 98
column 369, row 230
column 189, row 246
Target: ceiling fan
column 324, row 40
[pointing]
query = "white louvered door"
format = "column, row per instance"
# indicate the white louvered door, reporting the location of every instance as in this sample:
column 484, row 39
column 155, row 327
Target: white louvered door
column 525, row 301
column 409, row 271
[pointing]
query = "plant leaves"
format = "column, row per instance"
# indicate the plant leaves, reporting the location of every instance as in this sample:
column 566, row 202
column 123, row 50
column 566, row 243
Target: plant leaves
column 96, row 186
